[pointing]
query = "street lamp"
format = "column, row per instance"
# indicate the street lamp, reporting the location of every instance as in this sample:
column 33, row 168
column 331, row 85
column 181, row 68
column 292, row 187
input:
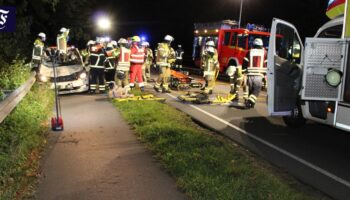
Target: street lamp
column 104, row 23
column 240, row 15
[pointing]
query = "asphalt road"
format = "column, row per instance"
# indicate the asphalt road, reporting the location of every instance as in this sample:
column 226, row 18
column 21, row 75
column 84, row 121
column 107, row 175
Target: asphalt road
column 316, row 154
column 97, row 156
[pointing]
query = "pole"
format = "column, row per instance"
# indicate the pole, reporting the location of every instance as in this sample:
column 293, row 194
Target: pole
column 240, row 15
column 346, row 28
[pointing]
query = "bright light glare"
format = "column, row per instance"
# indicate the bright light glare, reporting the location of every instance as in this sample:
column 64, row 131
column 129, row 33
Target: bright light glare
column 104, row 23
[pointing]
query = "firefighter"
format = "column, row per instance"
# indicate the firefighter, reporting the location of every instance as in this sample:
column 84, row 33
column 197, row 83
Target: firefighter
column 38, row 51
column 96, row 62
column 111, row 51
column 123, row 64
column 85, row 53
column 210, row 66
column 146, row 68
column 236, row 80
column 254, row 66
column 137, row 58
column 179, row 57
column 165, row 58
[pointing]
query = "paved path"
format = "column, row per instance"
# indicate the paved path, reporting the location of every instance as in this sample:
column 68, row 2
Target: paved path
column 98, row 157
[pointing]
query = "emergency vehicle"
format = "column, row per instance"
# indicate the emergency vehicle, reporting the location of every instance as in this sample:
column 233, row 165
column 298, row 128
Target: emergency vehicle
column 311, row 82
column 232, row 43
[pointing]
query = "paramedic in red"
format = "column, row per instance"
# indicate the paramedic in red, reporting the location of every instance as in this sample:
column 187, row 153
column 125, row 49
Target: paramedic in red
column 254, row 66
column 137, row 58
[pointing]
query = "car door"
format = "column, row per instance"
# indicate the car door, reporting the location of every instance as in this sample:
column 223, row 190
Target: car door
column 284, row 69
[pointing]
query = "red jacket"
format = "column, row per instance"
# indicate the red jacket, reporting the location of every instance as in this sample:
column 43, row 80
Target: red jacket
column 137, row 55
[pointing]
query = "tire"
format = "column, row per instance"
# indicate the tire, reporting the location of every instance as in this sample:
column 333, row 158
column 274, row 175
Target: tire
column 296, row 120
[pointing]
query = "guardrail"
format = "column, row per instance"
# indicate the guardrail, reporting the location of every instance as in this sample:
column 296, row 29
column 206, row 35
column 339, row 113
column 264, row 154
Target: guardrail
column 11, row 101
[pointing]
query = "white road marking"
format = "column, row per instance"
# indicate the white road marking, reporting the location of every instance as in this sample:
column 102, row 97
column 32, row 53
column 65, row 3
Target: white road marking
column 314, row 167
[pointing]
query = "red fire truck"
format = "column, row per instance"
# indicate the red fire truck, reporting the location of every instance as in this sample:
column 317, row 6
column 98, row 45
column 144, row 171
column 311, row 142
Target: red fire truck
column 232, row 42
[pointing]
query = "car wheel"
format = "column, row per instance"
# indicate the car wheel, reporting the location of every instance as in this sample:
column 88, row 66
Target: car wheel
column 296, row 120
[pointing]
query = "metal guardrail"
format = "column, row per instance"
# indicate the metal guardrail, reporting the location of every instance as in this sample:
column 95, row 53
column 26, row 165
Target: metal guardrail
column 11, row 101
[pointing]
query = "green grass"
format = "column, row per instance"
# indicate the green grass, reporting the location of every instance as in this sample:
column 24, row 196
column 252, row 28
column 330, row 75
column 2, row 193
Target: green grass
column 22, row 133
column 206, row 166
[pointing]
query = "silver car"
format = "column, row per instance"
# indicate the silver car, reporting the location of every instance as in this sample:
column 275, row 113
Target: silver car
column 72, row 76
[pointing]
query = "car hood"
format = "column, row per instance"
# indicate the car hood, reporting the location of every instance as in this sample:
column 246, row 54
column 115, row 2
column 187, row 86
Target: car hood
column 61, row 70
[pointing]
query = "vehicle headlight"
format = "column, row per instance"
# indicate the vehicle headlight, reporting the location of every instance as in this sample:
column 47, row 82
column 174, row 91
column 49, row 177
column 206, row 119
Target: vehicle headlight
column 83, row 75
column 333, row 77
column 43, row 78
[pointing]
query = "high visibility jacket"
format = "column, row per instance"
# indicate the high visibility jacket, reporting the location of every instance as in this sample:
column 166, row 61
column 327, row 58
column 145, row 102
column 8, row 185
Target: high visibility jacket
column 165, row 55
column 254, row 63
column 38, row 50
column 179, row 54
column 111, row 58
column 210, row 63
column 137, row 55
column 149, row 56
column 123, row 59
column 97, row 56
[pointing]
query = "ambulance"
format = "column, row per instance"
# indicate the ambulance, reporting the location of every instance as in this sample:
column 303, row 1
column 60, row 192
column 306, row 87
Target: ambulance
column 232, row 42
column 312, row 81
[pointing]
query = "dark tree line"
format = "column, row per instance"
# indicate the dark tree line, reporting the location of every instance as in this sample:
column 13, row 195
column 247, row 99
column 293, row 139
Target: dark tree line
column 34, row 16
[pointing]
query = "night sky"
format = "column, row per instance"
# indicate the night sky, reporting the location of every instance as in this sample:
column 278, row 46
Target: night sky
column 156, row 18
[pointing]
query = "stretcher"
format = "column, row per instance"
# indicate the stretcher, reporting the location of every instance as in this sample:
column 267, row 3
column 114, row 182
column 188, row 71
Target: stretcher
column 181, row 81
column 203, row 98
column 149, row 97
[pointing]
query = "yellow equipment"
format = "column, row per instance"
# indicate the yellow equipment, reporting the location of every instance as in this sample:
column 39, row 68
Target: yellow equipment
column 149, row 97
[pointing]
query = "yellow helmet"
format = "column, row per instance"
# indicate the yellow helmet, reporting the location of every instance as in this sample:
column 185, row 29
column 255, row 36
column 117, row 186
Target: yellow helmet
column 136, row 39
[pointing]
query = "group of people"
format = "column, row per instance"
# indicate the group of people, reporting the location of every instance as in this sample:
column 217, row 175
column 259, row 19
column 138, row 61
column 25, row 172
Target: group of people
column 126, row 62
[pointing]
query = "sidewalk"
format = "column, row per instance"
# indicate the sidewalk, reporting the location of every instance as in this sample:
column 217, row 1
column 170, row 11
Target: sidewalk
column 98, row 157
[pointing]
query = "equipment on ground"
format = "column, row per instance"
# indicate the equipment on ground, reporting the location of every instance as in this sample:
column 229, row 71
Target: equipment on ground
column 182, row 81
column 148, row 97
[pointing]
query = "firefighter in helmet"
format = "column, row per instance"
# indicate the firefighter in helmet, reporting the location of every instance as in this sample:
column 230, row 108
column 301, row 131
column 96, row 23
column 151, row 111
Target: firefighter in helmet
column 146, row 68
column 137, row 59
column 179, row 57
column 38, row 51
column 165, row 57
column 123, row 64
column 254, row 65
column 85, row 53
column 236, row 80
column 110, row 63
column 96, row 62
column 210, row 66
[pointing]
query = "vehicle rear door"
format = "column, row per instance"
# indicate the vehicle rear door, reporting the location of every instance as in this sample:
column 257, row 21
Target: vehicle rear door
column 284, row 69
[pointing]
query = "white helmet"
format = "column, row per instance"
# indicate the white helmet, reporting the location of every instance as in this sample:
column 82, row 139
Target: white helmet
column 90, row 42
column 210, row 49
column 122, row 41
column 63, row 29
column 231, row 70
column 114, row 43
column 210, row 43
column 258, row 42
column 109, row 45
column 169, row 38
column 145, row 44
column 42, row 35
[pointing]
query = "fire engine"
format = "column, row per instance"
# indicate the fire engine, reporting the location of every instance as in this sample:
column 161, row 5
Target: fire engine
column 232, row 42
column 311, row 82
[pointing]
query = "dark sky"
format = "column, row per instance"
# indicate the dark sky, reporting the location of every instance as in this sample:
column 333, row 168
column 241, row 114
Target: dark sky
column 176, row 17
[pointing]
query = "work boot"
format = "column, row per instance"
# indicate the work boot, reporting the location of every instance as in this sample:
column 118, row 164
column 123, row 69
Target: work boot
column 236, row 99
column 157, row 89
column 166, row 90
column 249, row 104
column 142, row 89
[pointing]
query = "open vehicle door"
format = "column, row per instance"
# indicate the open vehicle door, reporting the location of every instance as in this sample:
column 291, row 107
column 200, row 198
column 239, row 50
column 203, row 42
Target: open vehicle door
column 284, row 68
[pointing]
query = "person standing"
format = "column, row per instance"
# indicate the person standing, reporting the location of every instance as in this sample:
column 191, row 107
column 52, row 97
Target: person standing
column 110, row 63
column 137, row 58
column 146, row 68
column 254, row 66
column 123, row 64
column 165, row 58
column 38, row 51
column 210, row 66
column 179, row 57
column 97, row 59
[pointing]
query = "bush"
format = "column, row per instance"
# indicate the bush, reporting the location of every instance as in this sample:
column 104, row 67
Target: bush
column 13, row 75
column 21, row 133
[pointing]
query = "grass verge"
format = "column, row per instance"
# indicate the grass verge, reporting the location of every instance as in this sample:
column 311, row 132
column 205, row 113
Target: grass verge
column 206, row 166
column 22, row 134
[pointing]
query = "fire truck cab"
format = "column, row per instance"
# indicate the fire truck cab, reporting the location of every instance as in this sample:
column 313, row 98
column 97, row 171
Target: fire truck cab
column 311, row 82
column 232, row 43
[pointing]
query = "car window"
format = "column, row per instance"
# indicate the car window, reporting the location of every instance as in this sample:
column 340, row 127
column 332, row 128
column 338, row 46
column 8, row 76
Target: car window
column 227, row 38
column 242, row 41
column 233, row 40
column 332, row 32
column 72, row 58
